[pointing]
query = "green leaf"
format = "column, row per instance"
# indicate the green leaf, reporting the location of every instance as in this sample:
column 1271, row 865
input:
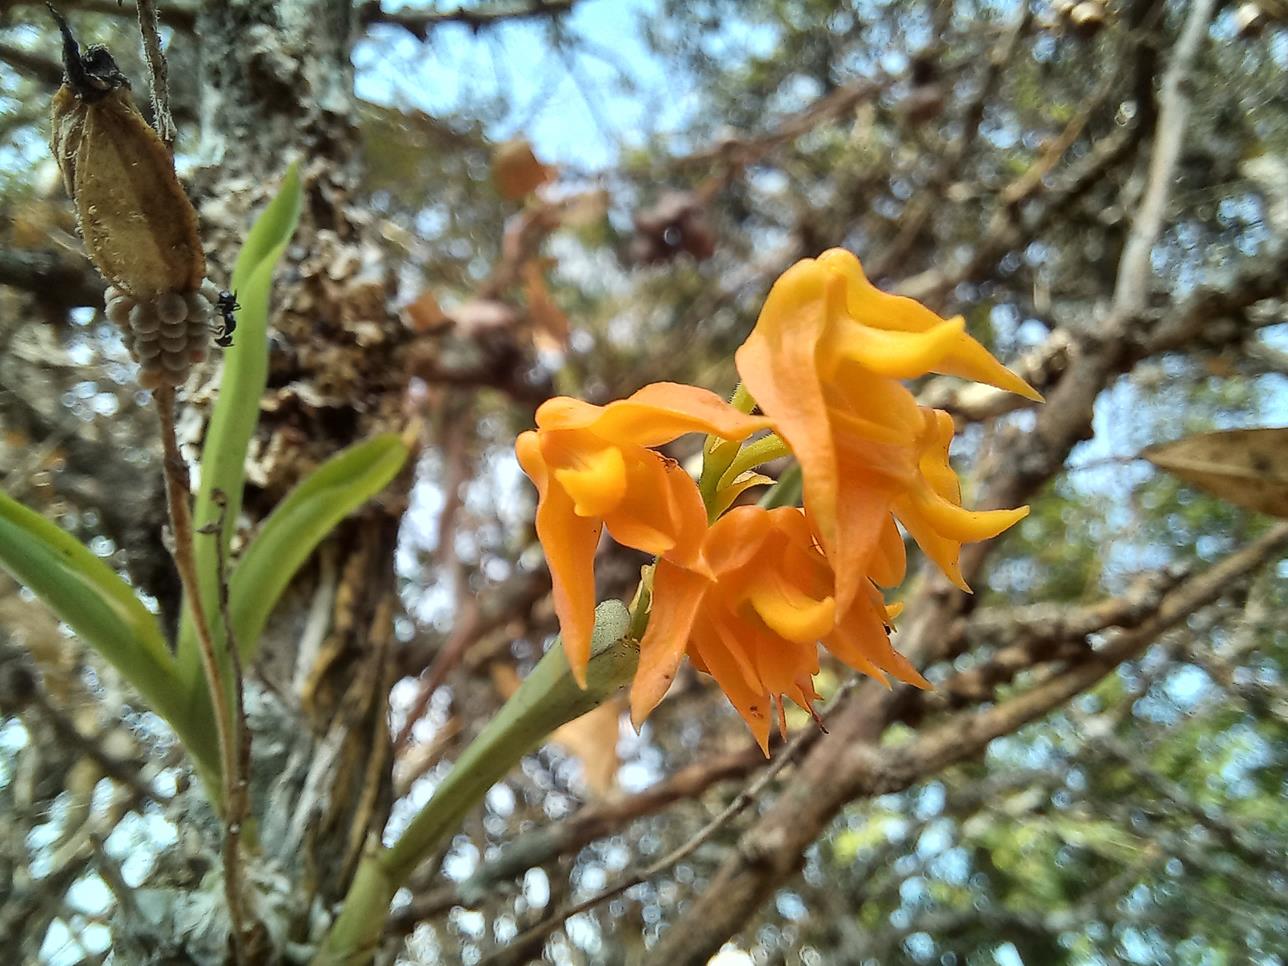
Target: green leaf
column 236, row 411
column 299, row 523
column 103, row 611
column 548, row 697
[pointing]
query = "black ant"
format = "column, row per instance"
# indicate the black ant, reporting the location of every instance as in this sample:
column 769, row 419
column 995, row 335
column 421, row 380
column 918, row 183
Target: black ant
column 227, row 305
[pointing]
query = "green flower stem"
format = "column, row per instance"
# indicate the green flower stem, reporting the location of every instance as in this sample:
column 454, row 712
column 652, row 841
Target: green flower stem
column 548, row 698
column 754, row 454
column 718, row 454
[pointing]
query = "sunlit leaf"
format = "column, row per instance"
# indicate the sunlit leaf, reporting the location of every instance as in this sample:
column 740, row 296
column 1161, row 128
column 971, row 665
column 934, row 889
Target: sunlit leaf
column 104, row 612
column 236, row 411
column 1246, row 467
column 299, row 523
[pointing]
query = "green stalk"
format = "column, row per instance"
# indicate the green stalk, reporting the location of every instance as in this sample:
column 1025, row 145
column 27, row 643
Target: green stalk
column 756, row 453
column 548, row 698
column 718, row 453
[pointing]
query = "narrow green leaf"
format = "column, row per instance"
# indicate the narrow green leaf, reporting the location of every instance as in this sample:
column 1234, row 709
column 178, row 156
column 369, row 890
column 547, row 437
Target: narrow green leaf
column 299, row 523
column 104, row 612
column 548, row 697
column 236, row 411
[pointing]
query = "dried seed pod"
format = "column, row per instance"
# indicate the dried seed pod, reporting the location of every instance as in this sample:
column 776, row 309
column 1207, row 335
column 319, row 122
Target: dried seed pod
column 144, row 320
column 146, row 349
column 172, row 308
column 139, row 227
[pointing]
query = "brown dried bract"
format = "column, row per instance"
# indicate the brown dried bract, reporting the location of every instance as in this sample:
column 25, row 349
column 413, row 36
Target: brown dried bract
column 139, row 227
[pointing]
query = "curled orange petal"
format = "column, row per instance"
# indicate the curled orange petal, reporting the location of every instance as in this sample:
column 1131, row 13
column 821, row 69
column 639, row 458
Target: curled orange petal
column 654, row 415
column 778, row 365
column 569, row 542
column 677, row 594
column 870, row 306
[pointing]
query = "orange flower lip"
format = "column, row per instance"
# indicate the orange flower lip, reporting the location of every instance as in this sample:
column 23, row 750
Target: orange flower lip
column 593, row 467
column 755, row 627
column 749, row 597
column 822, row 362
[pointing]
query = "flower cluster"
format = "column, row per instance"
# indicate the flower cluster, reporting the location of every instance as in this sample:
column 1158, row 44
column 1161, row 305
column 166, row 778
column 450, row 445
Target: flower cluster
column 749, row 595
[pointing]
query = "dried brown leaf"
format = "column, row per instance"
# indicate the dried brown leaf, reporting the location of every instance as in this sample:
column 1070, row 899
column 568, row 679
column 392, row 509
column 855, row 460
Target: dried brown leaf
column 592, row 739
column 516, row 170
column 551, row 327
column 425, row 314
column 1246, row 467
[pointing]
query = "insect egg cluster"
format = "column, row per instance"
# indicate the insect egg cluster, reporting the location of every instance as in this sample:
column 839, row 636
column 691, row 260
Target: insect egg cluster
column 165, row 334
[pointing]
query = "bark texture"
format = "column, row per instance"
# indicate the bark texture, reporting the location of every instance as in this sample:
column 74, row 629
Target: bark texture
column 278, row 87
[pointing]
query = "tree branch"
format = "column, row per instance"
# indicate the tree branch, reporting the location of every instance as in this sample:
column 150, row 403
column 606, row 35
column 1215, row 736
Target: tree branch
column 51, row 277
column 419, row 23
column 841, row 768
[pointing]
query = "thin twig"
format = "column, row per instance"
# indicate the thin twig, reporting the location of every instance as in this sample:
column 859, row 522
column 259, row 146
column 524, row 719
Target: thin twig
column 177, row 501
column 523, row 945
column 158, row 73
column 237, row 794
column 126, row 772
column 1132, row 289
column 419, row 23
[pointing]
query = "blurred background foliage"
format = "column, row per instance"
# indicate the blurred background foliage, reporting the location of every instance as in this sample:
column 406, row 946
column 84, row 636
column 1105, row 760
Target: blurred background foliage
column 988, row 156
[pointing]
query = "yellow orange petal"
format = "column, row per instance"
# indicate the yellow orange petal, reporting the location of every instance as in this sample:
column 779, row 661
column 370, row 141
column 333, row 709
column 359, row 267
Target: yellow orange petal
column 897, row 355
column 725, row 631
column 569, row 542
column 677, row 594
column 957, row 523
column 734, row 539
column 782, row 663
column 933, row 462
column 970, row 360
column 596, row 482
column 787, row 610
column 654, row 415
column 778, row 366
column 662, row 511
column 862, row 516
column 943, row 552
column 751, row 702
column 870, row 306
column 861, row 641
column 564, row 412
column 889, row 560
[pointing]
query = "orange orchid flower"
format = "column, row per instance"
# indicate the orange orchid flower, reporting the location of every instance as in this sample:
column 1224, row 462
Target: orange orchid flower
column 593, row 467
column 753, row 622
column 823, row 361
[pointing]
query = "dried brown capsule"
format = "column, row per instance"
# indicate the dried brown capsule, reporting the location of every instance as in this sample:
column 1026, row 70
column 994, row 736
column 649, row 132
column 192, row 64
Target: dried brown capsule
column 139, row 227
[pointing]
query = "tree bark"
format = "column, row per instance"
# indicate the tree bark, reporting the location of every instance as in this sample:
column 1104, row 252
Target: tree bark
column 278, row 87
